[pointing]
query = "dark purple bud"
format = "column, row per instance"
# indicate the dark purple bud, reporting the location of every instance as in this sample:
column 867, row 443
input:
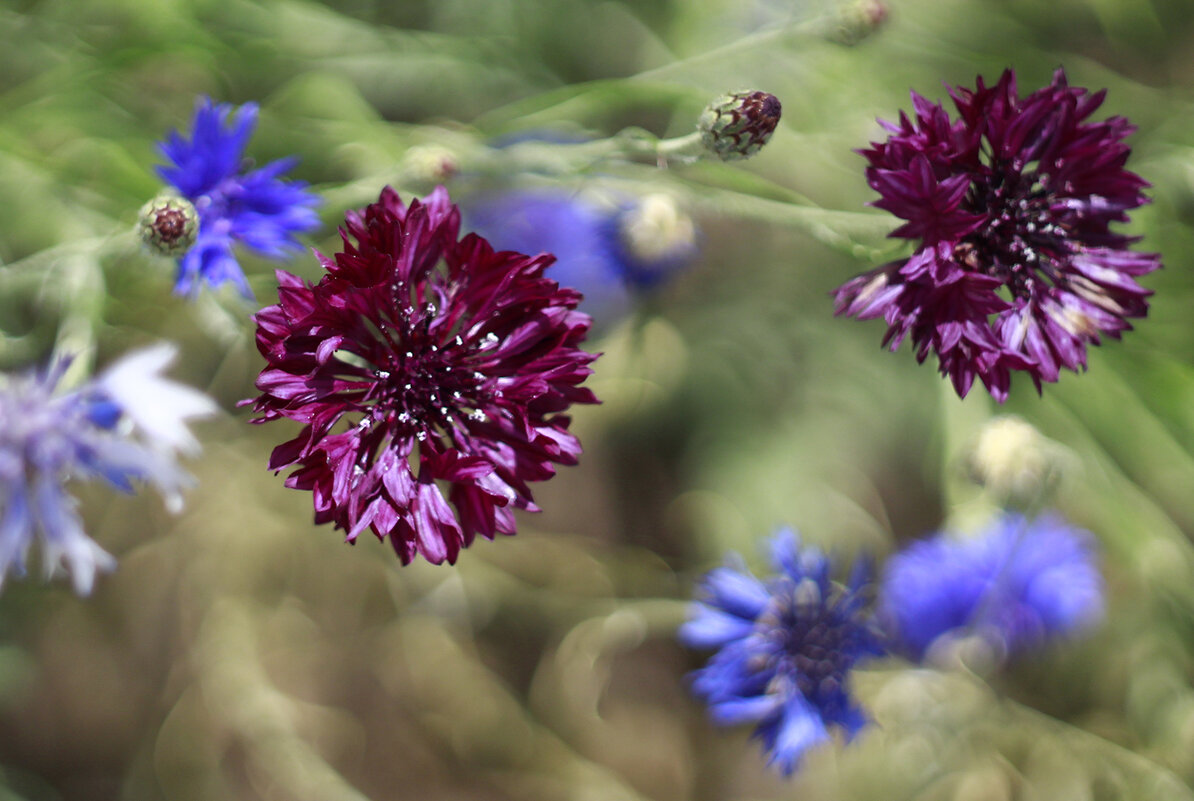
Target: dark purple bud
column 737, row 125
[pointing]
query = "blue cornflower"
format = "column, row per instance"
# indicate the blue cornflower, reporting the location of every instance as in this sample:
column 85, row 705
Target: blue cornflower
column 785, row 648
column 122, row 426
column 254, row 207
column 1015, row 585
column 608, row 251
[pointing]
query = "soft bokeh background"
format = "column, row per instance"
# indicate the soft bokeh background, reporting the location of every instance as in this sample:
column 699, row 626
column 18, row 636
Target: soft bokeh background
column 239, row 652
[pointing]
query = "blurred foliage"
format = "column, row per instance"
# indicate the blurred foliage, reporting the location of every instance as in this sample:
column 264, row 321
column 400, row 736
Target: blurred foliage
column 240, row 652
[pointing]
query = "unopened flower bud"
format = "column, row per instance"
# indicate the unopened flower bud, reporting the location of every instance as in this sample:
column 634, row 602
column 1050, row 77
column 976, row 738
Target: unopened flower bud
column 1014, row 461
column 430, row 164
column 737, row 125
column 169, row 225
column 657, row 238
column 858, row 19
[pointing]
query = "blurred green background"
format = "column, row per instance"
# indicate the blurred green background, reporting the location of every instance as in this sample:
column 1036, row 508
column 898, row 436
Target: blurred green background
column 239, row 652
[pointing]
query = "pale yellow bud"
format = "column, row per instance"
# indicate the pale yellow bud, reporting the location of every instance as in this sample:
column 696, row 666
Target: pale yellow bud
column 1014, row 461
column 656, row 229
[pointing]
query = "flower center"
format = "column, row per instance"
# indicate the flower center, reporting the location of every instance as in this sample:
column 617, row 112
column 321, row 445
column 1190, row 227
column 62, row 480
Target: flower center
column 1023, row 238
column 812, row 645
column 170, row 224
column 423, row 384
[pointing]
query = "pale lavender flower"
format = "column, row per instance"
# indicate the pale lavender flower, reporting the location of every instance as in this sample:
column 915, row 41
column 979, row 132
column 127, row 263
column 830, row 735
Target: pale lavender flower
column 123, row 426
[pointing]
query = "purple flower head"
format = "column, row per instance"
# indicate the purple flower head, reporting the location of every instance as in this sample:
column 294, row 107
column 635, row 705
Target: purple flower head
column 785, row 648
column 121, row 427
column 1011, row 207
column 607, row 252
column 235, row 204
column 449, row 365
column 1016, row 585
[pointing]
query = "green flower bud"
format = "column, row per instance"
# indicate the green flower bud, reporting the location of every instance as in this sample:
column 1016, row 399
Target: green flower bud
column 169, row 225
column 858, row 19
column 737, row 125
column 431, row 164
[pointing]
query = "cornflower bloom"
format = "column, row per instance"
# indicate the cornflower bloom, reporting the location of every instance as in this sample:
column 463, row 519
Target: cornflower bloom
column 124, row 425
column 607, row 251
column 1010, row 207
column 235, row 204
column 1015, row 585
column 785, row 648
column 450, row 365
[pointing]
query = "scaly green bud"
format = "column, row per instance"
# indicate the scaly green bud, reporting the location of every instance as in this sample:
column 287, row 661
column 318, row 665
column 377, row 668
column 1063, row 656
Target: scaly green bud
column 737, row 125
column 169, row 224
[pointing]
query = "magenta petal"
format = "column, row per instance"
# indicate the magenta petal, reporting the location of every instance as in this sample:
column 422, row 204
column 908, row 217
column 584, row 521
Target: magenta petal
column 436, row 529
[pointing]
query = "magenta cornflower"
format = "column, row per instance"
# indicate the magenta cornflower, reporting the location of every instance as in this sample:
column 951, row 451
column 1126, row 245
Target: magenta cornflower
column 446, row 368
column 1011, row 206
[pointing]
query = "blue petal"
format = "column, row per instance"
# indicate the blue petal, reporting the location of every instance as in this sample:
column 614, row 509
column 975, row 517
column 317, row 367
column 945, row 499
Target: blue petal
column 1022, row 580
column 732, row 672
column 785, row 552
column 799, row 728
column 101, row 411
column 214, row 151
column 16, row 530
column 744, row 710
column 798, row 563
column 54, row 509
column 927, row 590
column 1056, row 574
column 210, row 261
column 118, row 461
column 736, row 591
column 852, row 720
column 710, row 628
column 265, row 212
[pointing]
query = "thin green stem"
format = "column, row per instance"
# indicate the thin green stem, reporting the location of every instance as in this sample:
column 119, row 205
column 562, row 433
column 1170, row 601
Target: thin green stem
column 814, row 26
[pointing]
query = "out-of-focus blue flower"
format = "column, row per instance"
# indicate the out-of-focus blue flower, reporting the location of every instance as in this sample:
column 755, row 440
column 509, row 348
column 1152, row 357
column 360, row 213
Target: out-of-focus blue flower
column 254, row 207
column 785, row 648
column 606, row 250
column 122, row 426
column 1015, row 585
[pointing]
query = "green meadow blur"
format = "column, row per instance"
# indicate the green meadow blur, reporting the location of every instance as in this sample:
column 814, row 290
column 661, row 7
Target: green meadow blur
column 240, row 652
